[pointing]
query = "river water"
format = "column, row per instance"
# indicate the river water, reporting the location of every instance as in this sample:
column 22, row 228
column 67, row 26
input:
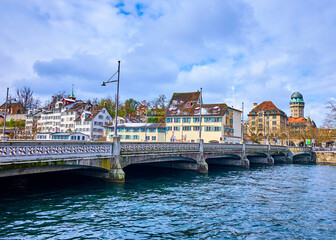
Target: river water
column 279, row 202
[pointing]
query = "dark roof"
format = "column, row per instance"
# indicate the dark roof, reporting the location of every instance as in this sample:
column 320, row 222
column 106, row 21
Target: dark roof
column 12, row 105
column 207, row 110
column 266, row 106
column 296, row 95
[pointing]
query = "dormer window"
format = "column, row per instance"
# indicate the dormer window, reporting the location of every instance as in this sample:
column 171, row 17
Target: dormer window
column 189, row 104
column 216, row 109
column 274, row 111
column 174, row 110
column 197, row 110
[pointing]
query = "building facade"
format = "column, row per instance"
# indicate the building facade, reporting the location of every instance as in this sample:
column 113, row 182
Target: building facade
column 267, row 121
column 138, row 132
column 185, row 118
column 71, row 115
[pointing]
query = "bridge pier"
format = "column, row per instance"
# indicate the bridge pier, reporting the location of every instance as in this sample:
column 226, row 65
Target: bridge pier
column 202, row 164
column 116, row 173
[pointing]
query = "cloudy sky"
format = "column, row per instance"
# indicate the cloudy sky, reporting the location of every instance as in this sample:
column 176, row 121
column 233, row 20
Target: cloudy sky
column 237, row 51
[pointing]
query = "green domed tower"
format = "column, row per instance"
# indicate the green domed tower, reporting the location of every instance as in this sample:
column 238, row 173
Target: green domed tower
column 297, row 105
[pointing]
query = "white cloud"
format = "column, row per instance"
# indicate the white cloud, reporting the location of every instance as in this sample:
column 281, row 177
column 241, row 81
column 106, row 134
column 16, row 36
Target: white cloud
column 248, row 50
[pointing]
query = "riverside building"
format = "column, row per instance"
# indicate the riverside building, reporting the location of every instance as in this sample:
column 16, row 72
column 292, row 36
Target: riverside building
column 73, row 116
column 267, row 118
column 219, row 123
column 138, row 132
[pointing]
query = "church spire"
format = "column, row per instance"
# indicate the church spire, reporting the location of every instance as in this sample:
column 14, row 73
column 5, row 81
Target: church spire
column 72, row 96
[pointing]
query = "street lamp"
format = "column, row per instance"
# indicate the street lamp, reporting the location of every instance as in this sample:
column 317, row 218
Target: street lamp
column 3, row 137
column 117, row 100
column 200, row 119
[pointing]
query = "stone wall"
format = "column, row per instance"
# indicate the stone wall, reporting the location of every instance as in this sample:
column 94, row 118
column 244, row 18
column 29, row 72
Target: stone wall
column 326, row 157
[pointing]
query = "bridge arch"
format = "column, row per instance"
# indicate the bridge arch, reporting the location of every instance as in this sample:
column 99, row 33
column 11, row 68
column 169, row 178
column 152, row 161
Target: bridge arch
column 175, row 162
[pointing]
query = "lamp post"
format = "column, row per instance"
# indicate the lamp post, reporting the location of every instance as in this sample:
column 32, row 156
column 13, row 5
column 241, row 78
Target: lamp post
column 117, row 99
column 200, row 119
column 268, row 123
column 4, row 138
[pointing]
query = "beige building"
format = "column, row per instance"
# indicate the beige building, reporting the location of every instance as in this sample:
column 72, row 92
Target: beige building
column 219, row 123
column 138, row 132
column 267, row 118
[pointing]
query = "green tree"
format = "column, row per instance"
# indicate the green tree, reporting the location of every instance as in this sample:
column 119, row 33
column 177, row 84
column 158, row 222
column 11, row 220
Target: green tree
column 131, row 106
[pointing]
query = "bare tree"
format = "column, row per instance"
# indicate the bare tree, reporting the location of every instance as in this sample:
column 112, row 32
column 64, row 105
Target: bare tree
column 54, row 98
column 26, row 98
column 330, row 120
column 160, row 102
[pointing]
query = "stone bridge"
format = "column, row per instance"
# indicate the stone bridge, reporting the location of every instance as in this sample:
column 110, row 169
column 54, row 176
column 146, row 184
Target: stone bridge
column 108, row 159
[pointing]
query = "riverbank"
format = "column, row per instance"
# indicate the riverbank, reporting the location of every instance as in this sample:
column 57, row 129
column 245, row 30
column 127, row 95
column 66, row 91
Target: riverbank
column 326, row 157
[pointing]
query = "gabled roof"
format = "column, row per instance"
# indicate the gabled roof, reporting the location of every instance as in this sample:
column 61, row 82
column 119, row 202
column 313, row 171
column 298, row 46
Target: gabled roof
column 217, row 109
column 139, row 125
column 79, row 106
column 266, row 106
column 12, row 105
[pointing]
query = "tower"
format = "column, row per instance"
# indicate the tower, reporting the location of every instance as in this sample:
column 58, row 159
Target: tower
column 297, row 105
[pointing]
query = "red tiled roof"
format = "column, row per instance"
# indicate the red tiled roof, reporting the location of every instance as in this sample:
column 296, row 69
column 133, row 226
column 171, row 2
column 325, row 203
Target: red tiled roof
column 266, row 106
column 296, row 120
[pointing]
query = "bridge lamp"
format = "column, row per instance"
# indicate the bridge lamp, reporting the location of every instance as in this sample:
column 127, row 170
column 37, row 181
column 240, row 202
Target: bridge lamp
column 117, row 100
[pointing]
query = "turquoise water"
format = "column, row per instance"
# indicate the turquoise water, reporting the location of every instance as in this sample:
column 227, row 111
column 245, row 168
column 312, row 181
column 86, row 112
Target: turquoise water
column 280, row 202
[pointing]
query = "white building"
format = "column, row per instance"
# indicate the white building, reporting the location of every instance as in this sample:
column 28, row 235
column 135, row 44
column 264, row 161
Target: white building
column 93, row 122
column 62, row 136
column 70, row 116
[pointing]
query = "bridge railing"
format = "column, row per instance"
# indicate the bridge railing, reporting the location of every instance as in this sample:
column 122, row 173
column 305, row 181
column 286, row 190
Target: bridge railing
column 300, row 149
column 145, row 147
column 41, row 150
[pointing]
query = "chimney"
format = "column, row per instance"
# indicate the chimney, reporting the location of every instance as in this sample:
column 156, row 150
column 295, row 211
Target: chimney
column 255, row 104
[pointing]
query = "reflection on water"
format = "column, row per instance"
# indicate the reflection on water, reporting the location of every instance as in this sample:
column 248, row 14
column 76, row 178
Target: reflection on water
column 286, row 201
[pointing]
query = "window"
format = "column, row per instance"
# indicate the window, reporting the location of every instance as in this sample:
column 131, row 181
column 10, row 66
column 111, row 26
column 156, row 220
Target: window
column 253, row 117
column 212, row 129
column 231, row 121
column 197, row 110
column 196, row 128
column 169, row 120
column 127, row 137
column 260, row 114
column 189, row 104
column 153, row 138
column 177, row 120
column 176, row 128
column 274, row 123
column 186, row 120
column 216, row 109
column 186, row 128
column 147, row 138
column 135, row 137
column 274, row 111
column 253, row 123
column 212, row 119
column 168, row 128
column 260, row 120
column 196, row 119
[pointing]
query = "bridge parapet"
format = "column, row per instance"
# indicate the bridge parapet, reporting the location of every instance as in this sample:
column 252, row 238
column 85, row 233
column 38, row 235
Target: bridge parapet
column 28, row 150
column 300, row 149
column 131, row 148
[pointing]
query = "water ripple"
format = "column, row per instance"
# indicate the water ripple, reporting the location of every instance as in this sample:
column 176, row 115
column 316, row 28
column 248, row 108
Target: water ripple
column 287, row 201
